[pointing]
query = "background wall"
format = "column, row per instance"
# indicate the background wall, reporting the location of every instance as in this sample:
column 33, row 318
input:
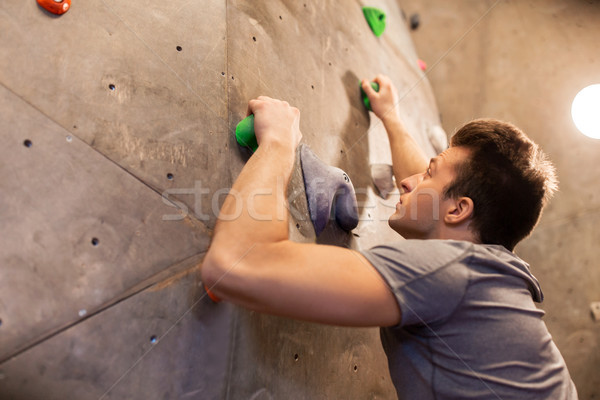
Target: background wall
column 524, row 61
column 116, row 128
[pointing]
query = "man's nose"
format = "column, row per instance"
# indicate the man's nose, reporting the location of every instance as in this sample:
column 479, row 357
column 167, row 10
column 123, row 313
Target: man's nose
column 408, row 184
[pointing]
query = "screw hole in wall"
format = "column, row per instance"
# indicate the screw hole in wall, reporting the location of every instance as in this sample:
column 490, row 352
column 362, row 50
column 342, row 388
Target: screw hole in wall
column 112, row 87
column 297, row 226
column 179, row 48
column 153, row 339
column 27, row 143
column 170, row 176
column 95, row 241
column 355, row 368
column 254, row 38
column 296, row 357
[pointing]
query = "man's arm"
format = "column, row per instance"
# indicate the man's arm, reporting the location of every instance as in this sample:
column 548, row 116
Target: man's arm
column 252, row 263
column 407, row 157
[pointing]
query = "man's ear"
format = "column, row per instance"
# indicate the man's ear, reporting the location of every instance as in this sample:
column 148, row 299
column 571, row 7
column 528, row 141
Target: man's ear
column 460, row 211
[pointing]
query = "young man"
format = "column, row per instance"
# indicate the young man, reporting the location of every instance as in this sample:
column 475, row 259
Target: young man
column 456, row 306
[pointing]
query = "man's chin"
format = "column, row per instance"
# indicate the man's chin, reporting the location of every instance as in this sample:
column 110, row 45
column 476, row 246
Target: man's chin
column 395, row 223
column 407, row 232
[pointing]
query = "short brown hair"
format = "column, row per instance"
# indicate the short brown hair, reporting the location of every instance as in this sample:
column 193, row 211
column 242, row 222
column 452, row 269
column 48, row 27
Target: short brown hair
column 507, row 176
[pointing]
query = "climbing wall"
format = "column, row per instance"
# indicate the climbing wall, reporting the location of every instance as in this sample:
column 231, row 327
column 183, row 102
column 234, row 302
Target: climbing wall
column 116, row 123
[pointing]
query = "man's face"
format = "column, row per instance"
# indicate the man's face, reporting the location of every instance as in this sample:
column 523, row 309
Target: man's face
column 419, row 213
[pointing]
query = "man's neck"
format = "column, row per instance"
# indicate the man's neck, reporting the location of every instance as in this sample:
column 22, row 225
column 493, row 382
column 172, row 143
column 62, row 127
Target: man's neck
column 462, row 233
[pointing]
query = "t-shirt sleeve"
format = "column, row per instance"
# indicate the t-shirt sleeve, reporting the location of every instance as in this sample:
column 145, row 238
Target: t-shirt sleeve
column 427, row 277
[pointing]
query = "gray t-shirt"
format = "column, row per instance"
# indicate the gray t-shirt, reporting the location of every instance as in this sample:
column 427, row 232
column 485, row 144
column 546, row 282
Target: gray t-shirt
column 469, row 328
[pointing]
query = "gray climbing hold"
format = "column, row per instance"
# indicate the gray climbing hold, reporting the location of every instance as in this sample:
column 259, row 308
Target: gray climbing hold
column 438, row 138
column 383, row 178
column 329, row 193
column 415, row 21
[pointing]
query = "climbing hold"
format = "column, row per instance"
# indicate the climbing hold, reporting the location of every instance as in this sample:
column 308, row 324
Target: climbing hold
column 422, row 64
column 595, row 308
column 329, row 190
column 329, row 193
column 365, row 98
column 415, row 21
column 244, row 133
column 55, row 6
column 212, row 296
column 383, row 178
column 375, row 18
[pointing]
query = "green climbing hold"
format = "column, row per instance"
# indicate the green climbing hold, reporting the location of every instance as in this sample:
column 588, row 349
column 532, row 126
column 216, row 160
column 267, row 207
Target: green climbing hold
column 365, row 98
column 376, row 19
column 244, row 133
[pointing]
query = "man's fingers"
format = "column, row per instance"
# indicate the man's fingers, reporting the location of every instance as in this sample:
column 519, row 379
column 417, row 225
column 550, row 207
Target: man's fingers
column 261, row 100
column 366, row 85
column 254, row 105
column 382, row 79
column 264, row 103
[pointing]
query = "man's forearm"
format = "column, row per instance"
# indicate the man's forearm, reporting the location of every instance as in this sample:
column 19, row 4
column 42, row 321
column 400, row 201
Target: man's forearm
column 255, row 209
column 407, row 157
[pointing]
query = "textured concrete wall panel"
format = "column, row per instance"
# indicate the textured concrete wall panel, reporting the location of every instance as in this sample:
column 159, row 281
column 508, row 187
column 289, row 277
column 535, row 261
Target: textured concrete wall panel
column 110, row 73
column 167, row 342
column 77, row 231
column 128, row 104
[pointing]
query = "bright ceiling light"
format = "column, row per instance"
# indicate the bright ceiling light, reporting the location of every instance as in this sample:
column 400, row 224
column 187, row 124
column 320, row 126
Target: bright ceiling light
column 586, row 111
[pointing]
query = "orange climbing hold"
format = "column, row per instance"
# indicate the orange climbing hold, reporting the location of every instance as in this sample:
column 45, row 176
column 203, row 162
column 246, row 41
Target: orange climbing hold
column 212, row 296
column 55, row 6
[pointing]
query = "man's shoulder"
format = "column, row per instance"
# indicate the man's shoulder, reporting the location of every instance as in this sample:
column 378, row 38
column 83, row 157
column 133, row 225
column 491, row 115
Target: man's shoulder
column 431, row 248
column 423, row 256
column 414, row 269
